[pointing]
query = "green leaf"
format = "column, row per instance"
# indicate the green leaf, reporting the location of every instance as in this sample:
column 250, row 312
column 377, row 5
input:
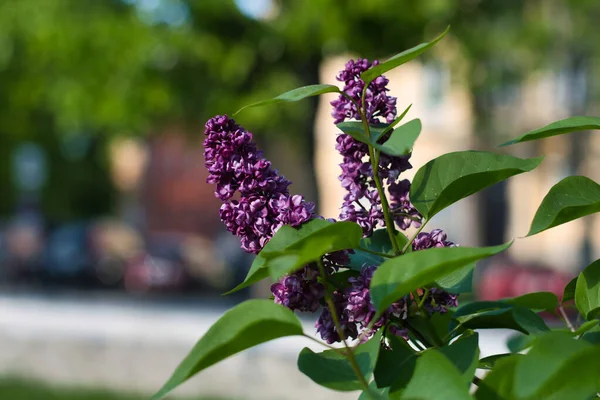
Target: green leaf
column 332, row 370
column 585, row 327
column 369, row 75
column 451, row 177
column 513, row 317
column 246, row 325
column 356, row 129
column 569, row 292
column 490, row 362
column 546, row 365
column 519, row 342
column 464, row 354
column 460, row 281
column 295, row 95
column 402, row 140
column 592, row 336
column 399, row 276
column 498, row 314
column 375, row 393
column 436, row 378
column 397, row 363
column 312, row 246
column 340, row 278
column 379, row 242
column 285, row 236
column 573, row 197
column 568, row 125
column 498, row 384
column 538, row 301
column 587, row 291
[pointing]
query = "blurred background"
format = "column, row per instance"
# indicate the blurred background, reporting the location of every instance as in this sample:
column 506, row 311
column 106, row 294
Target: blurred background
column 112, row 255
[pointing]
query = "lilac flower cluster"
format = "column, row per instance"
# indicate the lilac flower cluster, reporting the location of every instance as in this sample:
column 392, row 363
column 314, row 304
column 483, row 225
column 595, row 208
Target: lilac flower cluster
column 405, row 214
column 357, row 175
column 326, row 326
column 357, row 312
column 300, row 290
column 236, row 165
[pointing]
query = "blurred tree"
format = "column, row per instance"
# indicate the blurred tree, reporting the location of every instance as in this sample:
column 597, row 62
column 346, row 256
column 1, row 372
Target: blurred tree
column 118, row 67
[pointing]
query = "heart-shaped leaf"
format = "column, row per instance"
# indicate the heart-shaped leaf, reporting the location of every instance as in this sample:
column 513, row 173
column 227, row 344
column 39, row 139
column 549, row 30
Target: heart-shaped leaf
column 295, row 95
column 545, row 364
column 436, row 378
column 333, row 370
column 246, row 325
column 369, row 75
column 454, row 176
column 402, row 140
column 568, row 125
column 394, row 364
column 510, row 317
column 498, row 384
column 285, row 236
column 464, row 354
column 573, row 197
column 401, row 275
column 587, row 291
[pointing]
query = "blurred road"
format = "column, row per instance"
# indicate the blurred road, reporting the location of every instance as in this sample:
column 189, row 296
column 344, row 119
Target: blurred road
column 134, row 344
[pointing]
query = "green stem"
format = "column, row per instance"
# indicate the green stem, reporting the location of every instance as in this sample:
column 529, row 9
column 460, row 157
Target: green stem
column 349, row 354
column 389, row 222
column 565, row 318
column 420, row 305
column 375, row 252
column 337, row 350
column 412, row 239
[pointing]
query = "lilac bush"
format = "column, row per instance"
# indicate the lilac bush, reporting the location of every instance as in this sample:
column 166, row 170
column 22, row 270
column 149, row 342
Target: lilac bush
column 382, row 290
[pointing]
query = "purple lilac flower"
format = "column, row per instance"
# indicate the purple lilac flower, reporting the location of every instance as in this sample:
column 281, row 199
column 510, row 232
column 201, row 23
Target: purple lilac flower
column 236, row 165
column 361, row 310
column 437, row 300
column 326, row 326
column 357, row 175
column 300, row 290
column 405, row 214
column 435, row 238
column 377, row 102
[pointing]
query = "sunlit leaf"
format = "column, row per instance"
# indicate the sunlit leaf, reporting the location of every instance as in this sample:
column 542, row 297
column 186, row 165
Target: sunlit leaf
column 369, row 75
column 568, row 125
column 399, row 276
column 573, row 197
column 333, row 370
column 246, row 325
column 587, row 291
column 296, row 95
column 454, row 176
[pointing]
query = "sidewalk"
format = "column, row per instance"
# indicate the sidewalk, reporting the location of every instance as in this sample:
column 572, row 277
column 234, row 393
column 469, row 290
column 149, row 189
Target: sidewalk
column 130, row 345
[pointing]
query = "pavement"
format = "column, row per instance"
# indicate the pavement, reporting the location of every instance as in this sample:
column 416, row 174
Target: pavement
column 134, row 344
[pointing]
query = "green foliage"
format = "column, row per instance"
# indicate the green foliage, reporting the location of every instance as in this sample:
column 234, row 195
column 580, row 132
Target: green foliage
column 454, row 176
column 573, row 197
column 244, row 326
column 310, row 247
column 587, row 291
column 295, row 95
column 498, row 315
column 568, row 125
column 421, row 346
column 332, row 369
column 435, row 378
column 285, row 237
column 399, row 59
column 401, row 275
